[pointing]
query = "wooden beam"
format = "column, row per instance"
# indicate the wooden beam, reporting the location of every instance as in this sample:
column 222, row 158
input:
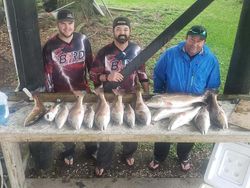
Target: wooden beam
column 13, row 160
column 155, row 132
column 69, row 97
column 22, row 22
column 238, row 78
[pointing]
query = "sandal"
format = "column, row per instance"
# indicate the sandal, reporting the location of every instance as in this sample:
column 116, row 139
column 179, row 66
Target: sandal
column 185, row 165
column 130, row 161
column 99, row 171
column 69, row 160
column 154, row 164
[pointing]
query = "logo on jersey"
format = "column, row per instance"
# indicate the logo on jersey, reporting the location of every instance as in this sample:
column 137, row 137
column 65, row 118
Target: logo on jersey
column 114, row 64
column 69, row 57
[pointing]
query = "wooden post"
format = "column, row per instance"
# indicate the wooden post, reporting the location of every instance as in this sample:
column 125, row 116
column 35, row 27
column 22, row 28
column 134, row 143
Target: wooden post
column 22, row 23
column 13, row 160
column 238, row 78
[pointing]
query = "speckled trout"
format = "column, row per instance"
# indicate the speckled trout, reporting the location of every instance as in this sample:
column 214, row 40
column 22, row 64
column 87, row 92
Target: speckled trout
column 174, row 100
column 51, row 114
column 168, row 112
column 61, row 116
column 183, row 118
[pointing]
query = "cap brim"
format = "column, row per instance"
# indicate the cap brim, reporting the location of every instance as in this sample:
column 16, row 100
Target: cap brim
column 201, row 36
column 66, row 19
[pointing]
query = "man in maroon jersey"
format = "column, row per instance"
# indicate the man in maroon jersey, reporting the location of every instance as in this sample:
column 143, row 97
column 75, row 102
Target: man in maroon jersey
column 67, row 57
column 107, row 65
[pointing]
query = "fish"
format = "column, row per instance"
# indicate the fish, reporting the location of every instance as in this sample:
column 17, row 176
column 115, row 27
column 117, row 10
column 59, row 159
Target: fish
column 168, row 112
column 217, row 114
column 89, row 116
column 76, row 113
column 37, row 112
column 102, row 114
column 61, row 116
column 51, row 114
column 202, row 120
column 129, row 116
column 183, row 118
column 117, row 109
column 142, row 112
column 174, row 100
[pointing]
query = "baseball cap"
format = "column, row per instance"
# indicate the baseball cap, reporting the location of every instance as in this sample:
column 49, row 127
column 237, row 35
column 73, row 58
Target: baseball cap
column 198, row 30
column 121, row 21
column 65, row 15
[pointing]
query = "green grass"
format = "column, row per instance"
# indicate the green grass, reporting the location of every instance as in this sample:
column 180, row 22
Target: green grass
column 220, row 18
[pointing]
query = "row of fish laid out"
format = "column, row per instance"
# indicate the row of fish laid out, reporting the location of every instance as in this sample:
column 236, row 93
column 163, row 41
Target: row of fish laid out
column 181, row 109
column 89, row 115
column 202, row 111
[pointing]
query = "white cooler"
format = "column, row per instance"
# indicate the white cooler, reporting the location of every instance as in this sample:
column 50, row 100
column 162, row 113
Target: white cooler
column 228, row 167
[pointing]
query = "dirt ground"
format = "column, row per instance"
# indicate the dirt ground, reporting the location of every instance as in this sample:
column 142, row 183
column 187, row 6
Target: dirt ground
column 83, row 166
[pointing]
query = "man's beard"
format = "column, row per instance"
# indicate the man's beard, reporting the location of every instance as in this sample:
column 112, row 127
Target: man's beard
column 66, row 36
column 122, row 39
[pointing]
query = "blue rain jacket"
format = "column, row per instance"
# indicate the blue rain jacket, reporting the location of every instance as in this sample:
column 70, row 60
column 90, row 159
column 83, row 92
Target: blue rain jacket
column 176, row 72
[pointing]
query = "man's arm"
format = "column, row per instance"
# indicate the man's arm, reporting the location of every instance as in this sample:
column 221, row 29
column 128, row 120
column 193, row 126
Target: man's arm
column 97, row 70
column 143, row 78
column 145, row 86
column 88, row 54
column 48, row 69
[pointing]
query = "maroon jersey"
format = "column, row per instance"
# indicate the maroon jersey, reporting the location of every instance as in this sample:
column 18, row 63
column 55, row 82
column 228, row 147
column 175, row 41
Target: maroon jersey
column 110, row 58
column 66, row 64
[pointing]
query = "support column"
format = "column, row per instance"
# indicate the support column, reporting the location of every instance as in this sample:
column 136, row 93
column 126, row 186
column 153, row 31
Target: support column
column 23, row 29
column 238, row 78
column 14, row 165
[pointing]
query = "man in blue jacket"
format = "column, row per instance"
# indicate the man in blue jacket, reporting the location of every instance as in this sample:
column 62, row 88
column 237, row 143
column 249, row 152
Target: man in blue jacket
column 191, row 68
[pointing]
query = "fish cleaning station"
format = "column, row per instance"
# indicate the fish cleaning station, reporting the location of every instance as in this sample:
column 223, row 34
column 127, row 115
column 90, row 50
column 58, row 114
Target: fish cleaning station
column 24, row 33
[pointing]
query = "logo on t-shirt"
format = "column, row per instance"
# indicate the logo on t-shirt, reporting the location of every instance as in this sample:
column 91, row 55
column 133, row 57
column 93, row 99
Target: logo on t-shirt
column 68, row 57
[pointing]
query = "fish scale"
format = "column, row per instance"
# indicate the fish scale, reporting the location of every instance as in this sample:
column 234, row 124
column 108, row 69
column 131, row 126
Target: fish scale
column 102, row 115
column 76, row 113
column 183, row 118
column 174, row 100
column 202, row 120
column 61, row 116
column 217, row 114
column 142, row 112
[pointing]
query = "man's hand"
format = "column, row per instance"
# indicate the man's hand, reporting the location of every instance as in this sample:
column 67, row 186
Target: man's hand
column 115, row 77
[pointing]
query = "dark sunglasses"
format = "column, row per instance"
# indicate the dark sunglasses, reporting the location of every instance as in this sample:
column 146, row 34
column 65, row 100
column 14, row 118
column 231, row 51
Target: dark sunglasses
column 198, row 31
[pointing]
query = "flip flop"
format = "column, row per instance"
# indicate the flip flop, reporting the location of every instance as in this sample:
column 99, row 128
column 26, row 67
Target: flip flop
column 99, row 171
column 69, row 160
column 154, row 164
column 130, row 161
column 186, row 165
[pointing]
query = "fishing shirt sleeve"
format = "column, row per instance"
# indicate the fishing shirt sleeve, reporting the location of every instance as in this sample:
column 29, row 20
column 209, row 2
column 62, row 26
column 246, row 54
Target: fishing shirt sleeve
column 89, row 55
column 48, row 68
column 98, row 68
